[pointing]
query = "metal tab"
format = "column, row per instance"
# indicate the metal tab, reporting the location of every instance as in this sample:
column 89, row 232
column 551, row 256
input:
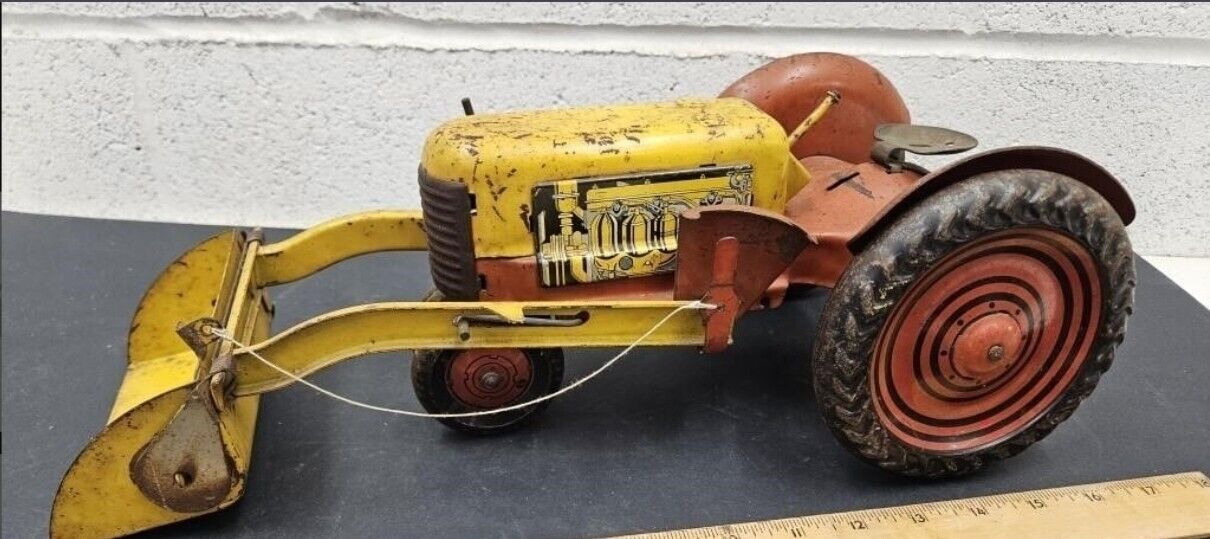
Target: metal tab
column 185, row 467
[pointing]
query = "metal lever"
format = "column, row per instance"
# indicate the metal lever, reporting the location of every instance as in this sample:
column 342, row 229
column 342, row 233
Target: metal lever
column 463, row 322
column 831, row 98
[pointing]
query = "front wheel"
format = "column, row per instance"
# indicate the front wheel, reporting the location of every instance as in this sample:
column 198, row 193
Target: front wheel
column 457, row 381
column 975, row 324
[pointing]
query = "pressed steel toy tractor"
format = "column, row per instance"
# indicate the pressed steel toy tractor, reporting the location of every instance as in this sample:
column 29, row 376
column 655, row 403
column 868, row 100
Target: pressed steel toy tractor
column 972, row 308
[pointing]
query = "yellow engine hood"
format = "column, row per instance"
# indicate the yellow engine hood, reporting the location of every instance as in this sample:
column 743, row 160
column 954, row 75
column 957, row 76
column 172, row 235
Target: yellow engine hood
column 501, row 157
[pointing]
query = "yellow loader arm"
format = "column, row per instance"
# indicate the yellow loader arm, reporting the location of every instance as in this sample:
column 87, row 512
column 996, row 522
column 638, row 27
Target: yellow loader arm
column 178, row 441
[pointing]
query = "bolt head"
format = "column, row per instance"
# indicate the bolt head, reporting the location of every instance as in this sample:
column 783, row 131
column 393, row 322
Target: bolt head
column 995, row 353
column 490, row 380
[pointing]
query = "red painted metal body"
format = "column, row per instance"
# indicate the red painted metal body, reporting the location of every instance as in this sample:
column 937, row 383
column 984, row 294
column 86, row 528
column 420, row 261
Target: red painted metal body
column 840, row 201
column 1065, row 162
column 729, row 256
column 785, row 88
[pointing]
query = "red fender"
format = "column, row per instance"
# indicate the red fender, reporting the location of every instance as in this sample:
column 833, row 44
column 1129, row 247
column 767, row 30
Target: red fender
column 788, row 89
column 1059, row 161
column 728, row 255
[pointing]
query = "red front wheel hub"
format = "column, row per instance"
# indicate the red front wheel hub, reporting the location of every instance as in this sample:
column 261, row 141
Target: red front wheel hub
column 489, row 378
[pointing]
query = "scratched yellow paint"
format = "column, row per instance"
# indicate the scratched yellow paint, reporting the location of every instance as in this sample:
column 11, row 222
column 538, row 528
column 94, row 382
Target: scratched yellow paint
column 97, row 497
column 337, row 336
column 501, row 157
column 184, row 291
column 339, row 239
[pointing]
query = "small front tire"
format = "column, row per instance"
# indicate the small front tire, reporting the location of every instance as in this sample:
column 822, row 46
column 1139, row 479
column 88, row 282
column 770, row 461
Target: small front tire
column 456, row 381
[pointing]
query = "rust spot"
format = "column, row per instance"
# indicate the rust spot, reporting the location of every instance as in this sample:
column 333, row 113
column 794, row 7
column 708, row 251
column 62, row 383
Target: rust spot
column 856, row 185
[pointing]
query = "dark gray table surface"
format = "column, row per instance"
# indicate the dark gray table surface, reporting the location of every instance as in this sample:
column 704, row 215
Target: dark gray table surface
column 668, row 439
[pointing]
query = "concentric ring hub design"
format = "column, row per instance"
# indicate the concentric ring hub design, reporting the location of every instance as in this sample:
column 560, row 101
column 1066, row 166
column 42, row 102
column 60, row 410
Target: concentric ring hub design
column 489, row 378
column 986, row 341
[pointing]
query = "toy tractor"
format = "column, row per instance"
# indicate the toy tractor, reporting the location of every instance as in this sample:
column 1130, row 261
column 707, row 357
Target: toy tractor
column 972, row 306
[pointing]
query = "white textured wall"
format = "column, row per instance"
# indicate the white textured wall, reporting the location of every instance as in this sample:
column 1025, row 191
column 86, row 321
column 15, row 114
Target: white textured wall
column 286, row 114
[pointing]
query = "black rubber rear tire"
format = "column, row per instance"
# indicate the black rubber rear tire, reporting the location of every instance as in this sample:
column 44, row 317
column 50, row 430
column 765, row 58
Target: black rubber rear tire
column 880, row 276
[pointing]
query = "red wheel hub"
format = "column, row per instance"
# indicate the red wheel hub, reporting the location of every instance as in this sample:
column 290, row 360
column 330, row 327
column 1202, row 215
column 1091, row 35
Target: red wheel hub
column 489, row 378
column 986, row 341
column 986, row 347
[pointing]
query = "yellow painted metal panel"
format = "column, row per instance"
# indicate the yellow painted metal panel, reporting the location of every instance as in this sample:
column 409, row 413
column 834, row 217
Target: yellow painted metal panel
column 501, row 157
column 338, row 239
column 195, row 285
column 185, row 290
column 238, row 421
column 380, row 327
column 97, row 497
column 147, row 379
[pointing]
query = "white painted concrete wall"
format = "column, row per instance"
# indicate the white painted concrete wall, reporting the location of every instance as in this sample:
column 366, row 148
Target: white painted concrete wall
column 287, row 114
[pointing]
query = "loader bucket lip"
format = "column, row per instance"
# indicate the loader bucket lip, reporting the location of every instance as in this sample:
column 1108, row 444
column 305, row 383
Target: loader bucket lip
column 103, row 507
column 98, row 495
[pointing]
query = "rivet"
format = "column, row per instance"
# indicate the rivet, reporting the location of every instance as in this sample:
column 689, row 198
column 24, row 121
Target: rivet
column 995, row 353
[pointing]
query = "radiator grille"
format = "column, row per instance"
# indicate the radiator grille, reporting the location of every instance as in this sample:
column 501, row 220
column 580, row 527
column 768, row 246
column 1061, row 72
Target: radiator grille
column 447, row 224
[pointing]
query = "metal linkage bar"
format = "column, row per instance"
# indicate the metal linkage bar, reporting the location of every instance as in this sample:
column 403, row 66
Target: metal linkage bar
column 383, row 327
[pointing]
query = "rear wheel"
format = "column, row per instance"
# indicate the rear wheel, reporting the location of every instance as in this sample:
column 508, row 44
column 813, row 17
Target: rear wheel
column 975, row 324
column 456, row 381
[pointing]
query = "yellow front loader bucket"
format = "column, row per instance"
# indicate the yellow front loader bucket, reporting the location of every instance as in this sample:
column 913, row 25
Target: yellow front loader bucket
column 164, row 456
column 179, row 438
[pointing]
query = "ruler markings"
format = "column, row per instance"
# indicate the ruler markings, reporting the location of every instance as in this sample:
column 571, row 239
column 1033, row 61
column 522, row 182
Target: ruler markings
column 1175, row 505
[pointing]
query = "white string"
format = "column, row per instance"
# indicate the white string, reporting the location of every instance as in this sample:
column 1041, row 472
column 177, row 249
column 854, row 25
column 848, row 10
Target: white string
column 222, row 334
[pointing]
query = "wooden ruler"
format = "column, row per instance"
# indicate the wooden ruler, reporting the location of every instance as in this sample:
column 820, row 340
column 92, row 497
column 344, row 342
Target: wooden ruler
column 1162, row 506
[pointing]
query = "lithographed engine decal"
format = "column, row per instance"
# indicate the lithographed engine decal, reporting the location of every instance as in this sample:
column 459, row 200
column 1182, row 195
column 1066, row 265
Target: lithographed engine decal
column 596, row 229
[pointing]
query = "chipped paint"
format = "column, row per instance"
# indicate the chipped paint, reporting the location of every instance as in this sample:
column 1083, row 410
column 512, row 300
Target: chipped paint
column 501, row 157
